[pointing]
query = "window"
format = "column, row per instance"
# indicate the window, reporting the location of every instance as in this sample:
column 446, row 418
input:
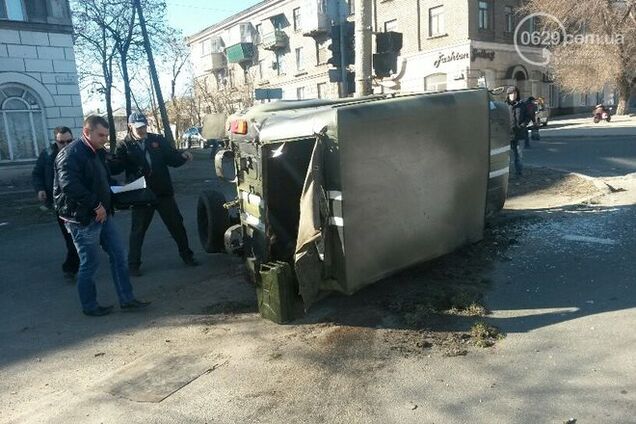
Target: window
column 390, row 25
column 206, row 47
column 12, row 10
column 510, row 19
column 484, row 15
column 351, row 8
column 259, row 32
column 297, row 24
column 300, row 65
column 279, row 21
column 532, row 25
column 322, row 90
column 435, row 82
column 436, row 21
column 280, row 63
column 322, row 52
column 323, row 6
column 22, row 132
column 300, row 93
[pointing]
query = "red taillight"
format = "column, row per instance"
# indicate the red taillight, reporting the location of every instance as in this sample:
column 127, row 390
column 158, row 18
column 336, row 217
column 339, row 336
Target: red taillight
column 239, row 127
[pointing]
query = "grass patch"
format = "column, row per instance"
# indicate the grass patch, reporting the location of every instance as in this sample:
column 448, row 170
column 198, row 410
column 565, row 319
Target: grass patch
column 484, row 335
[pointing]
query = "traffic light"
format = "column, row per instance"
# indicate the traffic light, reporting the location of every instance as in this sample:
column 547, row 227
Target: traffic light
column 342, row 47
column 388, row 46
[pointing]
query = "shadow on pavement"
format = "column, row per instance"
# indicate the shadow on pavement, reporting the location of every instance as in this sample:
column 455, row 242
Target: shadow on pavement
column 525, row 262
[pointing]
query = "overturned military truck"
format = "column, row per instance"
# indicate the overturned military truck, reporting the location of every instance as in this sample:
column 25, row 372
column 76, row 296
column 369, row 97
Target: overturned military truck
column 336, row 195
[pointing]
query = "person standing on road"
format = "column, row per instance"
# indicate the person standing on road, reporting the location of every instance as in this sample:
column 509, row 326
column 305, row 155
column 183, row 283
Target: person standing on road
column 43, row 175
column 149, row 155
column 518, row 130
column 82, row 196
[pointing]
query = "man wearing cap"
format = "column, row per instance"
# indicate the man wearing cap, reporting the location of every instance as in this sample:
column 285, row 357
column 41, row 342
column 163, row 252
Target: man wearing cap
column 149, row 155
column 42, row 175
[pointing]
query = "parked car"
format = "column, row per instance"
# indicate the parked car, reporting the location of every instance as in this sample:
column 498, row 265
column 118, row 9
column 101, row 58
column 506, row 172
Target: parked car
column 192, row 138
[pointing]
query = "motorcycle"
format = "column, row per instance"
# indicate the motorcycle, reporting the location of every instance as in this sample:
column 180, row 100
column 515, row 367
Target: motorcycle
column 602, row 113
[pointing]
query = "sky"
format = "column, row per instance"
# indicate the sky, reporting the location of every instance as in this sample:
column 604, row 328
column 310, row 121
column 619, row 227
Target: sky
column 191, row 16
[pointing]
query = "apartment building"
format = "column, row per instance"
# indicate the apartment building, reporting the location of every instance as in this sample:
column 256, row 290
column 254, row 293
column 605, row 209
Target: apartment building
column 38, row 76
column 447, row 44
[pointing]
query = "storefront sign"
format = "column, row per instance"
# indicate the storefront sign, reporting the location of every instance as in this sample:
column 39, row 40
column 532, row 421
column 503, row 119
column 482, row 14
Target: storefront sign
column 453, row 56
column 483, row 53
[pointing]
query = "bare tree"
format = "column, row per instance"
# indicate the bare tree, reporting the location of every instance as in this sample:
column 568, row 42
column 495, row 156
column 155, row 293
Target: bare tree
column 218, row 93
column 175, row 58
column 605, row 53
column 97, row 49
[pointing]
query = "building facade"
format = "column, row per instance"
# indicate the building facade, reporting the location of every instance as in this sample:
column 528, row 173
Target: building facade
column 38, row 76
column 447, row 44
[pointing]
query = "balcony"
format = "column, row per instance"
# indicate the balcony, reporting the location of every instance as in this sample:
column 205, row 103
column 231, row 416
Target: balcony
column 214, row 62
column 241, row 52
column 314, row 20
column 274, row 40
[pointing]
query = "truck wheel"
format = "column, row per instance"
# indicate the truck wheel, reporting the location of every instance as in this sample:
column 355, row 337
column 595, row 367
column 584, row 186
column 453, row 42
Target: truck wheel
column 212, row 221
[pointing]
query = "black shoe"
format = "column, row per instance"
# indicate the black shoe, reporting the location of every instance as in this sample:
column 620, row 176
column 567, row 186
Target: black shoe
column 190, row 261
column 134, row 271
column 69, row 276
column 100, row 311
column 134, row 305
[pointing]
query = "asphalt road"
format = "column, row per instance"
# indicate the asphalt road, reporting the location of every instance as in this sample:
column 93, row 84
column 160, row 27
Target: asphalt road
column 593, row 155
column 562, row 288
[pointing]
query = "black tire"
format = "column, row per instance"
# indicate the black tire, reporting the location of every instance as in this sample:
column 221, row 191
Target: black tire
column 609, row 118
column 597, row 120
column 212, row 221
column 544, row 123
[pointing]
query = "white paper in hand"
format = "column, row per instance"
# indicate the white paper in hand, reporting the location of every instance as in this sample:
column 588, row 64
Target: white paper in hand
column 139, row 183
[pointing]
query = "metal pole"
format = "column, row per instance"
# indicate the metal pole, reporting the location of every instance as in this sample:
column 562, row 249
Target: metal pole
column 343, row 66
column 363, row 18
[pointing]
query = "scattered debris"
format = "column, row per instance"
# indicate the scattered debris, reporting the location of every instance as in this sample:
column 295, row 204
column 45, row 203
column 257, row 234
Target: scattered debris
column 614, row 189
column 570, row 421
column 98, row 354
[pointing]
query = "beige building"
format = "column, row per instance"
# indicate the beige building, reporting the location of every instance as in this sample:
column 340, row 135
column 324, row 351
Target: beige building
column 447, row 44
column 38, row 77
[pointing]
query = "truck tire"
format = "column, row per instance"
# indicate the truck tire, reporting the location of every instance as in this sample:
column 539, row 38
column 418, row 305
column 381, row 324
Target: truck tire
column 212, row 221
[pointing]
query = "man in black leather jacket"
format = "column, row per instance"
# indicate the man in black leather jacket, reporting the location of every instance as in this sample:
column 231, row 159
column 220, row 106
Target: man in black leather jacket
column 43, row 184
column 518, row 131
column 82, row 196
column 149, row 155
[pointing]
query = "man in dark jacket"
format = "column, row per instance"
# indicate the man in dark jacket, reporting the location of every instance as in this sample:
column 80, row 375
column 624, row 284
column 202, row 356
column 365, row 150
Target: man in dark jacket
column 149, row 155
column 519, row 129
column 81, row 191
column 43, row 184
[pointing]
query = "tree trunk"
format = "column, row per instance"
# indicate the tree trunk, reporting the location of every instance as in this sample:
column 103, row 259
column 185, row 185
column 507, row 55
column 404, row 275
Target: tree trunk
column 112, row 134
column 624, row 93
column 127, row 92
column 153, row 75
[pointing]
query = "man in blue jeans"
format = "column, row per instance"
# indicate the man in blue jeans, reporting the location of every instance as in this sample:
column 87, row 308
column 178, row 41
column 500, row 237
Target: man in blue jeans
column 81, row 192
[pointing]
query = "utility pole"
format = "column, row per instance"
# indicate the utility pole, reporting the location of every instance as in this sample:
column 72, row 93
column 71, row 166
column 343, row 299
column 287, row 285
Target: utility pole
column 153, row 74
column 363, row 19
